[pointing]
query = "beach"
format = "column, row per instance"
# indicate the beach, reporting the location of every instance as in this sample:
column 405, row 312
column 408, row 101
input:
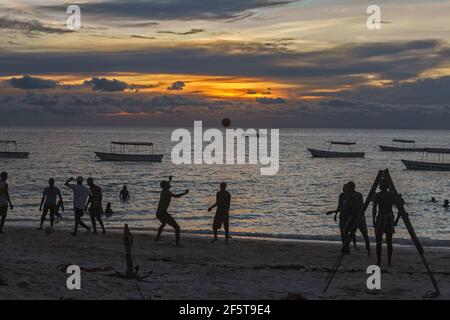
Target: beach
column 245, row 269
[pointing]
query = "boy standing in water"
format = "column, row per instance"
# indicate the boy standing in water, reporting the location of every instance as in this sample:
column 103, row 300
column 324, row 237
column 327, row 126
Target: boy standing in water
column 161, row 213
column 50, row 195
column 4, row 199
column 124, row 194
column 223, row 199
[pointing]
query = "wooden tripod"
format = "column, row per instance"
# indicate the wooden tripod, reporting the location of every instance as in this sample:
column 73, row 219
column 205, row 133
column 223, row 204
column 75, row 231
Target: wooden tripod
column 382, row 174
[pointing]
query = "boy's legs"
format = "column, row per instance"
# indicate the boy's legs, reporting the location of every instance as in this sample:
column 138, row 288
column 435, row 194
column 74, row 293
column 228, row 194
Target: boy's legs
column 3, row 213
column 78, row 221
column 171, row 222
column 98, row 216
column 217, row 224
column 226, row 226
column 52, row 215
column 92, row 216
column 43, row 216
column 160, row 230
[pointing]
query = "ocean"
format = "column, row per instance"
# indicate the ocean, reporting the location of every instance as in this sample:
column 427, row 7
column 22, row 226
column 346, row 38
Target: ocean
column 290, row 205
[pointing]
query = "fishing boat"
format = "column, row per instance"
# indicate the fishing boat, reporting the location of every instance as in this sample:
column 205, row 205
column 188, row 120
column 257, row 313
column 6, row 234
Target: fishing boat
column 135, row 156
column 7, row 153
column 425, row 165
column 337, row 154
column 403, row 148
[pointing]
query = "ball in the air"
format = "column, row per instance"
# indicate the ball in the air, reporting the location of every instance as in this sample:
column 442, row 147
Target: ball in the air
column 226, row 122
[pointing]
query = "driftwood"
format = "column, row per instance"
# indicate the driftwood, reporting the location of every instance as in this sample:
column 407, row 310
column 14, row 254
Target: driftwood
column 130, row 273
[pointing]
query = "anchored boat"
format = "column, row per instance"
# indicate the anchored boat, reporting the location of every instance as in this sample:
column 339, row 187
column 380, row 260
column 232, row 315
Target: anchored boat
column 123, row 155
column 425, row 165
column 403, row 147
column 7, row 153
column 337, row 154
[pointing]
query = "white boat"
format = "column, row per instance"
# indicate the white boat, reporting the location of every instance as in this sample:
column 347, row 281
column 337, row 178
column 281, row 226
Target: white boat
column 7, row 153
column 134, row 157
column 337, row 154
column 403, row 148
column 426, row 165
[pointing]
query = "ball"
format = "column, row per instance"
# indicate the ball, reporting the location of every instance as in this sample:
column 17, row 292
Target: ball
column 226, row 122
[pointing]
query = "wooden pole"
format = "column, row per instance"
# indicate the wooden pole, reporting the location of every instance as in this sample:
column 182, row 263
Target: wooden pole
column 410, row 228
column 353, row 230
column 128, row 242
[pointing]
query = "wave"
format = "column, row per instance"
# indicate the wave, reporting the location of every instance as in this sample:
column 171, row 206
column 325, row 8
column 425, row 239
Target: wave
column 426, row 241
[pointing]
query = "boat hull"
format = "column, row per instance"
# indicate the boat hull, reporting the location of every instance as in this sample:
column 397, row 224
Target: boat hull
column 335, row 154
column 390, row 148
column 426, row 166
column 104, row 156
column 14, row 155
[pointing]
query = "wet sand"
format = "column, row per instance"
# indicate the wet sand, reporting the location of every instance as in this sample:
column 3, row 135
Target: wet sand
column 244, row 269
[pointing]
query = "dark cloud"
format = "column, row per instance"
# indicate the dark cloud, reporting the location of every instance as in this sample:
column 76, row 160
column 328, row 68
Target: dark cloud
column 29, row 26
column 177, row 85
column 104, row 84
column 338, row 103
column 34, row 107
column 175, row 9
column 421, row 92
column 27, row 82
column 186, row 33
column 142, row 37
column 266, row 100
column 339, row 65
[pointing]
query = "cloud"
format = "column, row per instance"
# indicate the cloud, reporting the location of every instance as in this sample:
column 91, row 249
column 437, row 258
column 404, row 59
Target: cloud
column 337, row 65
column 175, row 9
column 142, row 37
column 420, row 92
column 104, row 84
column 29, row 26
column 27, row 82
column 266, row 100
column 178, row 85
column 338, row 103
column 192, row 31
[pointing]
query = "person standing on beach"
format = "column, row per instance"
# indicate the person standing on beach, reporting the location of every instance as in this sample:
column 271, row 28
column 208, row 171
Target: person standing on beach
column 222, row 216
column 344, row 211
column 124, row 194
column 80, row 196
column 96, row 208
column 4, row 199
column 383, row 219
column 356, row 201
column 49, row 201
column 161, row 213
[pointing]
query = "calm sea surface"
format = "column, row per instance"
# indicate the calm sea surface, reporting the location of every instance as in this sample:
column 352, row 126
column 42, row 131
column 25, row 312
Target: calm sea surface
column 291, row 204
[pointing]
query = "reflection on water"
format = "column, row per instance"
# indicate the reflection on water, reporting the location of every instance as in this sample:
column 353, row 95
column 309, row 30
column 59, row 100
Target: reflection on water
column 293, row 202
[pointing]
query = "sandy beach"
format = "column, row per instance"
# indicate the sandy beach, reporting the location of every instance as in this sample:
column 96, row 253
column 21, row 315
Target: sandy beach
column 245, row 269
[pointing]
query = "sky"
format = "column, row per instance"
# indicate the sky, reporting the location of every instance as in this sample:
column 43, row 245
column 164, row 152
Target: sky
column 261, row 63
